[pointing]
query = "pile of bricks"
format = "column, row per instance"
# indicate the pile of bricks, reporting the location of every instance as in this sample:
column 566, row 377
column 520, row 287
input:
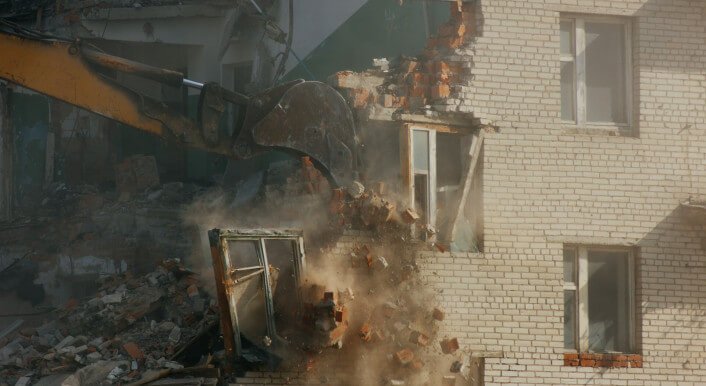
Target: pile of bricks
column 603, row 360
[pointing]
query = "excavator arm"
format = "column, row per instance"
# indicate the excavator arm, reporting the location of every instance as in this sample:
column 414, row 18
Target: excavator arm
column 300, row 117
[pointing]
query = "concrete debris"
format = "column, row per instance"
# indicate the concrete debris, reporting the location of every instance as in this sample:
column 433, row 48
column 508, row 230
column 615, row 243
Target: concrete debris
column 114, row 341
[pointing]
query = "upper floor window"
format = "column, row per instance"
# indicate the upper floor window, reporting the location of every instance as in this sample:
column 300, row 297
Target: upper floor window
column 596, row 85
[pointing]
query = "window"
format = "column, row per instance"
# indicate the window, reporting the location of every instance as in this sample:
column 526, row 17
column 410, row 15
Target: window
column 598, row 299
column 595, row 71
column 436, row 165
column 258, row 274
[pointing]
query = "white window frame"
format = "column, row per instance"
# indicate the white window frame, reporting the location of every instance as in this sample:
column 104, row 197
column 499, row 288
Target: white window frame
column 430, row 173
column 580, row 288
column 579, row 59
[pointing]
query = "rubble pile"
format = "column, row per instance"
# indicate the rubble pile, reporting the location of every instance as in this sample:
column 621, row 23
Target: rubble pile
column 135, row 324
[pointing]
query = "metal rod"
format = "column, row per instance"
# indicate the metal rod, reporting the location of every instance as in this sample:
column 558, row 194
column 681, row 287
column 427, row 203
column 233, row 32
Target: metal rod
column 172, row 78
column 257, row 7
column 191, row 83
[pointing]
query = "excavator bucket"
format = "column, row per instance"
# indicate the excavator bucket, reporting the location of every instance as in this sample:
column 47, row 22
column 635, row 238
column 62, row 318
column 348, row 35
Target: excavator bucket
column 307, row 118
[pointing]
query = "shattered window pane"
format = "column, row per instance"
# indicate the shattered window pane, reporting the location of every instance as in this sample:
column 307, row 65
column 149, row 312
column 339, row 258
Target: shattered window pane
column 283, row 280
column 249, row 298
column 420, row 144
column 567, row 91
column 420, row 197
column 243, row 254
column 608, row 301
column 570, row 319
column 605, row 72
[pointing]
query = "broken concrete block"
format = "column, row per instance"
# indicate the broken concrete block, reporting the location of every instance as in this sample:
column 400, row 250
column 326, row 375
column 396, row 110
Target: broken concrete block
column 404, row 356
column 65, row 342
column 438, row 314
column 381, row 262
column 112, row 298
column 94, row 357
column 449, row 346
column 24, row 381
column 175, row 335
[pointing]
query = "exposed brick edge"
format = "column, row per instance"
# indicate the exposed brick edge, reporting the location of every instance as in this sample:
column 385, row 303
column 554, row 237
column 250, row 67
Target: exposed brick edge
column 603, row 360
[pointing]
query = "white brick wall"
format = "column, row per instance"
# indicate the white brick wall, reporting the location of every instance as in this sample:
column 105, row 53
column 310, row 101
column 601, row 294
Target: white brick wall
column 544, row 186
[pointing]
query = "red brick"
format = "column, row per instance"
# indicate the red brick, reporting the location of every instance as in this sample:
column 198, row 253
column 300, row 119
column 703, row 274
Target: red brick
column 636, row 364
column 438, row 314
column 620, row 364
column 452, row 42
column 418, row 91
column 395, row 101
column 568, row 362
column 417, row 364
column 360, row 97
column 341, row 314
column 587, row 356
column 133, row 350
column 404, row 356
column 587, row 362
column 635, row 357
column 409, row 66
column 366, row 332
column 418, row 338
column 440, row 91
column 449, row 346
column 572, row 357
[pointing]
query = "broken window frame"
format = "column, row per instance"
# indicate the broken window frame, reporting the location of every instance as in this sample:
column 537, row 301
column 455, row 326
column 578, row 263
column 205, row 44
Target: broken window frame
column 430, row 173
column 222, row 270
column 578, row 58
column 578, row 284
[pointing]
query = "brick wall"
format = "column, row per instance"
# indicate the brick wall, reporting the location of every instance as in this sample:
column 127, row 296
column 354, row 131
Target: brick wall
column 546, row 184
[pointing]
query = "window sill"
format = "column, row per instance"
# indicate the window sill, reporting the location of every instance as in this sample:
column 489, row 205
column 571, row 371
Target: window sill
column 600, row 130
column 603, row 360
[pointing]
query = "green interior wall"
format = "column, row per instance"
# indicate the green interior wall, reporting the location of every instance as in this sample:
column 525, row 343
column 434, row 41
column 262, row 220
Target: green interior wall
column 31, row 124
column 379, row 29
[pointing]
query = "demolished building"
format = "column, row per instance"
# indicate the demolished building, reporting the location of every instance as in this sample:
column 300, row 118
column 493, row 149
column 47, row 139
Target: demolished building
column 531, row 203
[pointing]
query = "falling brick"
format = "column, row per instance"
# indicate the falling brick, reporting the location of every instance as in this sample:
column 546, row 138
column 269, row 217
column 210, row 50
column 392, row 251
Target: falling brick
column 366, row 332
column 418, row 338
column 439, row 314
column 449, row 346
column 404, row 356
column 410, row 216
column 440, row 91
